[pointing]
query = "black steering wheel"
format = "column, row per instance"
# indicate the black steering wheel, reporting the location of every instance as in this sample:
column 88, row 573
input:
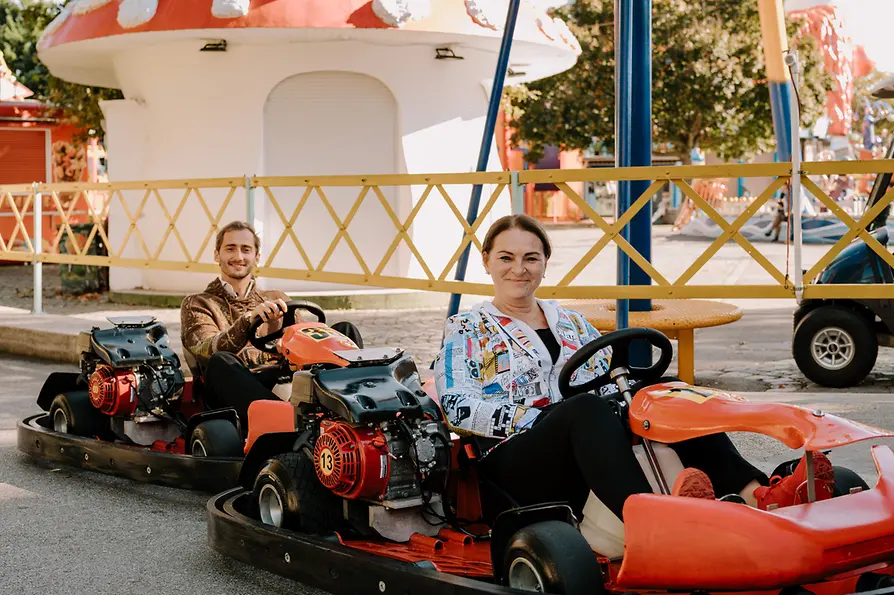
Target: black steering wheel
column 267, row 342
column 620, row 342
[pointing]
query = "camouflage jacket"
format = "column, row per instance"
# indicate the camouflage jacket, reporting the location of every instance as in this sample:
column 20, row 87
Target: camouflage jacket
column 217, row 320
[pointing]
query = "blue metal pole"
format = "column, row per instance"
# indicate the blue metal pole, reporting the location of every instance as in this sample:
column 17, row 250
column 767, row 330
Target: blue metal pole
column 623, row 134
column 641, row 155
column 486, row 141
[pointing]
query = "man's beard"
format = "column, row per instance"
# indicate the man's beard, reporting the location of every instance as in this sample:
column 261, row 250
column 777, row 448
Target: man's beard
column 235, row 273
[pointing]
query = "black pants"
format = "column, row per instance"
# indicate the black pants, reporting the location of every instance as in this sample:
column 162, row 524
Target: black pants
column 229, row 383
column 581, row 445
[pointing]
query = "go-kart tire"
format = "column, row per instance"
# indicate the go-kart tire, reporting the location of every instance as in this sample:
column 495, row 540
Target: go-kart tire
column 216, row 438
column 551, row 557
column 73, row 413
column 288, row 494
column 846, row 480
column 858, row 333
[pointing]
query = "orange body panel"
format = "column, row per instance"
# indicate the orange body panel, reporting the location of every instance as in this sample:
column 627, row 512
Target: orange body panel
column 451, row 552
column 675, row 411
column 308, row 343
column 743, row 548
column 267, row 417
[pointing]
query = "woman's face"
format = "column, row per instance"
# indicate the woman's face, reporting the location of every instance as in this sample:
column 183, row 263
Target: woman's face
column 516, row 264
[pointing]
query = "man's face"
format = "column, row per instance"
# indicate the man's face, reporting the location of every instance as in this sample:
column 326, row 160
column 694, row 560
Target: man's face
column 237, row 255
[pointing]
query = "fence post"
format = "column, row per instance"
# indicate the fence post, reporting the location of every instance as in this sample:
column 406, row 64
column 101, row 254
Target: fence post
column 518, row 193
column 791, row 60
column 249, row 202
column 37, row 245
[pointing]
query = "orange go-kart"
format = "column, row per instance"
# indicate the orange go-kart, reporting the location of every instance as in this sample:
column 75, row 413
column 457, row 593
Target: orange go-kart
column 357, row 486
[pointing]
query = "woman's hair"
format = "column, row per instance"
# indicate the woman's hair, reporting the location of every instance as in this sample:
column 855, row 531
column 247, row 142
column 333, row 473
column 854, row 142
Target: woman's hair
column 523, row 222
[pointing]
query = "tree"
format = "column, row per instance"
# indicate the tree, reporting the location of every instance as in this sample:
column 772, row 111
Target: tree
column 709, row 86
column 21, row 24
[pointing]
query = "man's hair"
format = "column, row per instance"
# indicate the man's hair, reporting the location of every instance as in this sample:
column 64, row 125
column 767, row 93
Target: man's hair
column 236, row 226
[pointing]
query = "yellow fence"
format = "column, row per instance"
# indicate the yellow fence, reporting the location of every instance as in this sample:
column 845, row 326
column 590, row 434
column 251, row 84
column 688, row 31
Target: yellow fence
column 376, row 221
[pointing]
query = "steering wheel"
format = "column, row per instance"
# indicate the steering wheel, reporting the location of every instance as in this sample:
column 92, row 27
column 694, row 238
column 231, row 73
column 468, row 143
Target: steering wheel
column 267, row 342
column 620, row 342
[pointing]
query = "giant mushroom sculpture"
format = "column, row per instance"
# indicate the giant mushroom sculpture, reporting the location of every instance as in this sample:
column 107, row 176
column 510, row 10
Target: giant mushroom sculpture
column 224, row 88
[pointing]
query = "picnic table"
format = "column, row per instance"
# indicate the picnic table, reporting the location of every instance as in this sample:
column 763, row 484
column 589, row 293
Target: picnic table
column 677, row 319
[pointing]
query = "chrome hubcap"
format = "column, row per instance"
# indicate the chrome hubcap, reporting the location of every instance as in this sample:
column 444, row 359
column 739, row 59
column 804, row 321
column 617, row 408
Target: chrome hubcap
column 523, row 576
column 60, row 422
column 833, row 348
column 270, row 506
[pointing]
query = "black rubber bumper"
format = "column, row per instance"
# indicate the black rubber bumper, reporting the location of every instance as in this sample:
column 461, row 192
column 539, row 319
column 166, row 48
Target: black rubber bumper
column 322, row 563
column 36, row 439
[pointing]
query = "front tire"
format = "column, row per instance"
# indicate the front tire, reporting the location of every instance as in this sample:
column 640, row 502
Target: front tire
column 552, row 557
column 216, row 438
column 73, row 413
column 835, row 347
column 288, row 494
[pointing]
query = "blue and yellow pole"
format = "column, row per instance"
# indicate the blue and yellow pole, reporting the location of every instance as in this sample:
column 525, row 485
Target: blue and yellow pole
column 775, row 42
column 633, row 147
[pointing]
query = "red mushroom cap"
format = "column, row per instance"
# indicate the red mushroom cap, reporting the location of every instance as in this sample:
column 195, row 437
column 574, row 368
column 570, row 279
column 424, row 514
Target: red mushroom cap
column 93, row 19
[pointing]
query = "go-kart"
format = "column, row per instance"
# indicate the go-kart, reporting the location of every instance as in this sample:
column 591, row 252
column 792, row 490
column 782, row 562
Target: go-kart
column 131, row 412
column 366, row 491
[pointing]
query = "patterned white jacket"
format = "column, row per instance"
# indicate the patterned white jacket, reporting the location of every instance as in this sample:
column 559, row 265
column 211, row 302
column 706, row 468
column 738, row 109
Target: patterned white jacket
column 494, row 373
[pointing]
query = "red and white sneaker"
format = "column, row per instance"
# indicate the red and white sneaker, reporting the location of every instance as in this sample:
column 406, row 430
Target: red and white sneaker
column 792, row 489
column 693, row 483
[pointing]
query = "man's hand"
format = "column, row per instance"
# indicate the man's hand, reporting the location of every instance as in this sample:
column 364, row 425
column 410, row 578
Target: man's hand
column 270, row 310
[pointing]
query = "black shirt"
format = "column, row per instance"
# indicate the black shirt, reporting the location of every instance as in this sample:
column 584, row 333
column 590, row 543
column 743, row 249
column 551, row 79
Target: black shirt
column 546, row 335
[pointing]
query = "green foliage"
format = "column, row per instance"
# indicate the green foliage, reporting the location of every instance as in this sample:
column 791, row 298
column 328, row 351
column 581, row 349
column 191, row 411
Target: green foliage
column 709, row 84
column 21, row 24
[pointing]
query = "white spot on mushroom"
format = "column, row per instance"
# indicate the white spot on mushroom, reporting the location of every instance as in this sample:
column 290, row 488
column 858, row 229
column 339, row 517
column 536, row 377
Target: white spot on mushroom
column 53, row 27
column 133, row 13
column 488, row 13
column 567, row 35
column 229, row 9
column 400, row 12
column 84, row 6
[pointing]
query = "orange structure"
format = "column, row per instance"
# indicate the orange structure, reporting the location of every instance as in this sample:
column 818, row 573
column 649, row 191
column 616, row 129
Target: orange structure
column 37, row 145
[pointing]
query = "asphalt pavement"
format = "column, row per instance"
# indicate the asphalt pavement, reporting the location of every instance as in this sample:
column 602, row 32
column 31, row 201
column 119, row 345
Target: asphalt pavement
column 67, row 532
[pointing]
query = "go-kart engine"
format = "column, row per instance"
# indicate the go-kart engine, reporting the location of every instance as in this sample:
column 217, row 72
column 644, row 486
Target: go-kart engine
column 387, row 461
column 122, row 392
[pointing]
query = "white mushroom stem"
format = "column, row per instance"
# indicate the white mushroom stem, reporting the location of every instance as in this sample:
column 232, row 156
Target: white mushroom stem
column 229, row 9
column 133, row 13
column 85, row 6
column 399, row 12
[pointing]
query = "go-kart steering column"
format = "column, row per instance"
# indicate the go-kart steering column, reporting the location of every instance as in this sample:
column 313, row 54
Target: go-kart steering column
column 619, row 375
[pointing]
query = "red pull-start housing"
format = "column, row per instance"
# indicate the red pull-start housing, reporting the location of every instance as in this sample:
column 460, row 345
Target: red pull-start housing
column 113, row 391
column 352, row 461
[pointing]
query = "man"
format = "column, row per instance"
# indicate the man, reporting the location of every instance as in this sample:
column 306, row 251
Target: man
column 214, row 325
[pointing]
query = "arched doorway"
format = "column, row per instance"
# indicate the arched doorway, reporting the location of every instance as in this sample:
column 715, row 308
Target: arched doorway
column 330, row 123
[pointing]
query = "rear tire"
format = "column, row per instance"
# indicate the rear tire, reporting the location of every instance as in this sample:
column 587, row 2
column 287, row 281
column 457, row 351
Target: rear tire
column 73, row 413
column 288, row 494
column 216, row 438
column 552, row 557
column 835, row 347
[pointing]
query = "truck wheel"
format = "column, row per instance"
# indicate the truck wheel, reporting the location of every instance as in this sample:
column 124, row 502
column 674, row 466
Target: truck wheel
column 73, row 413
column 552, row 557
column 288, row 494
column 216, row 438
column 835, row 347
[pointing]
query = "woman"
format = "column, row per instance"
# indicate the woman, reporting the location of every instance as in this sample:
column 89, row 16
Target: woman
column 497, row 379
